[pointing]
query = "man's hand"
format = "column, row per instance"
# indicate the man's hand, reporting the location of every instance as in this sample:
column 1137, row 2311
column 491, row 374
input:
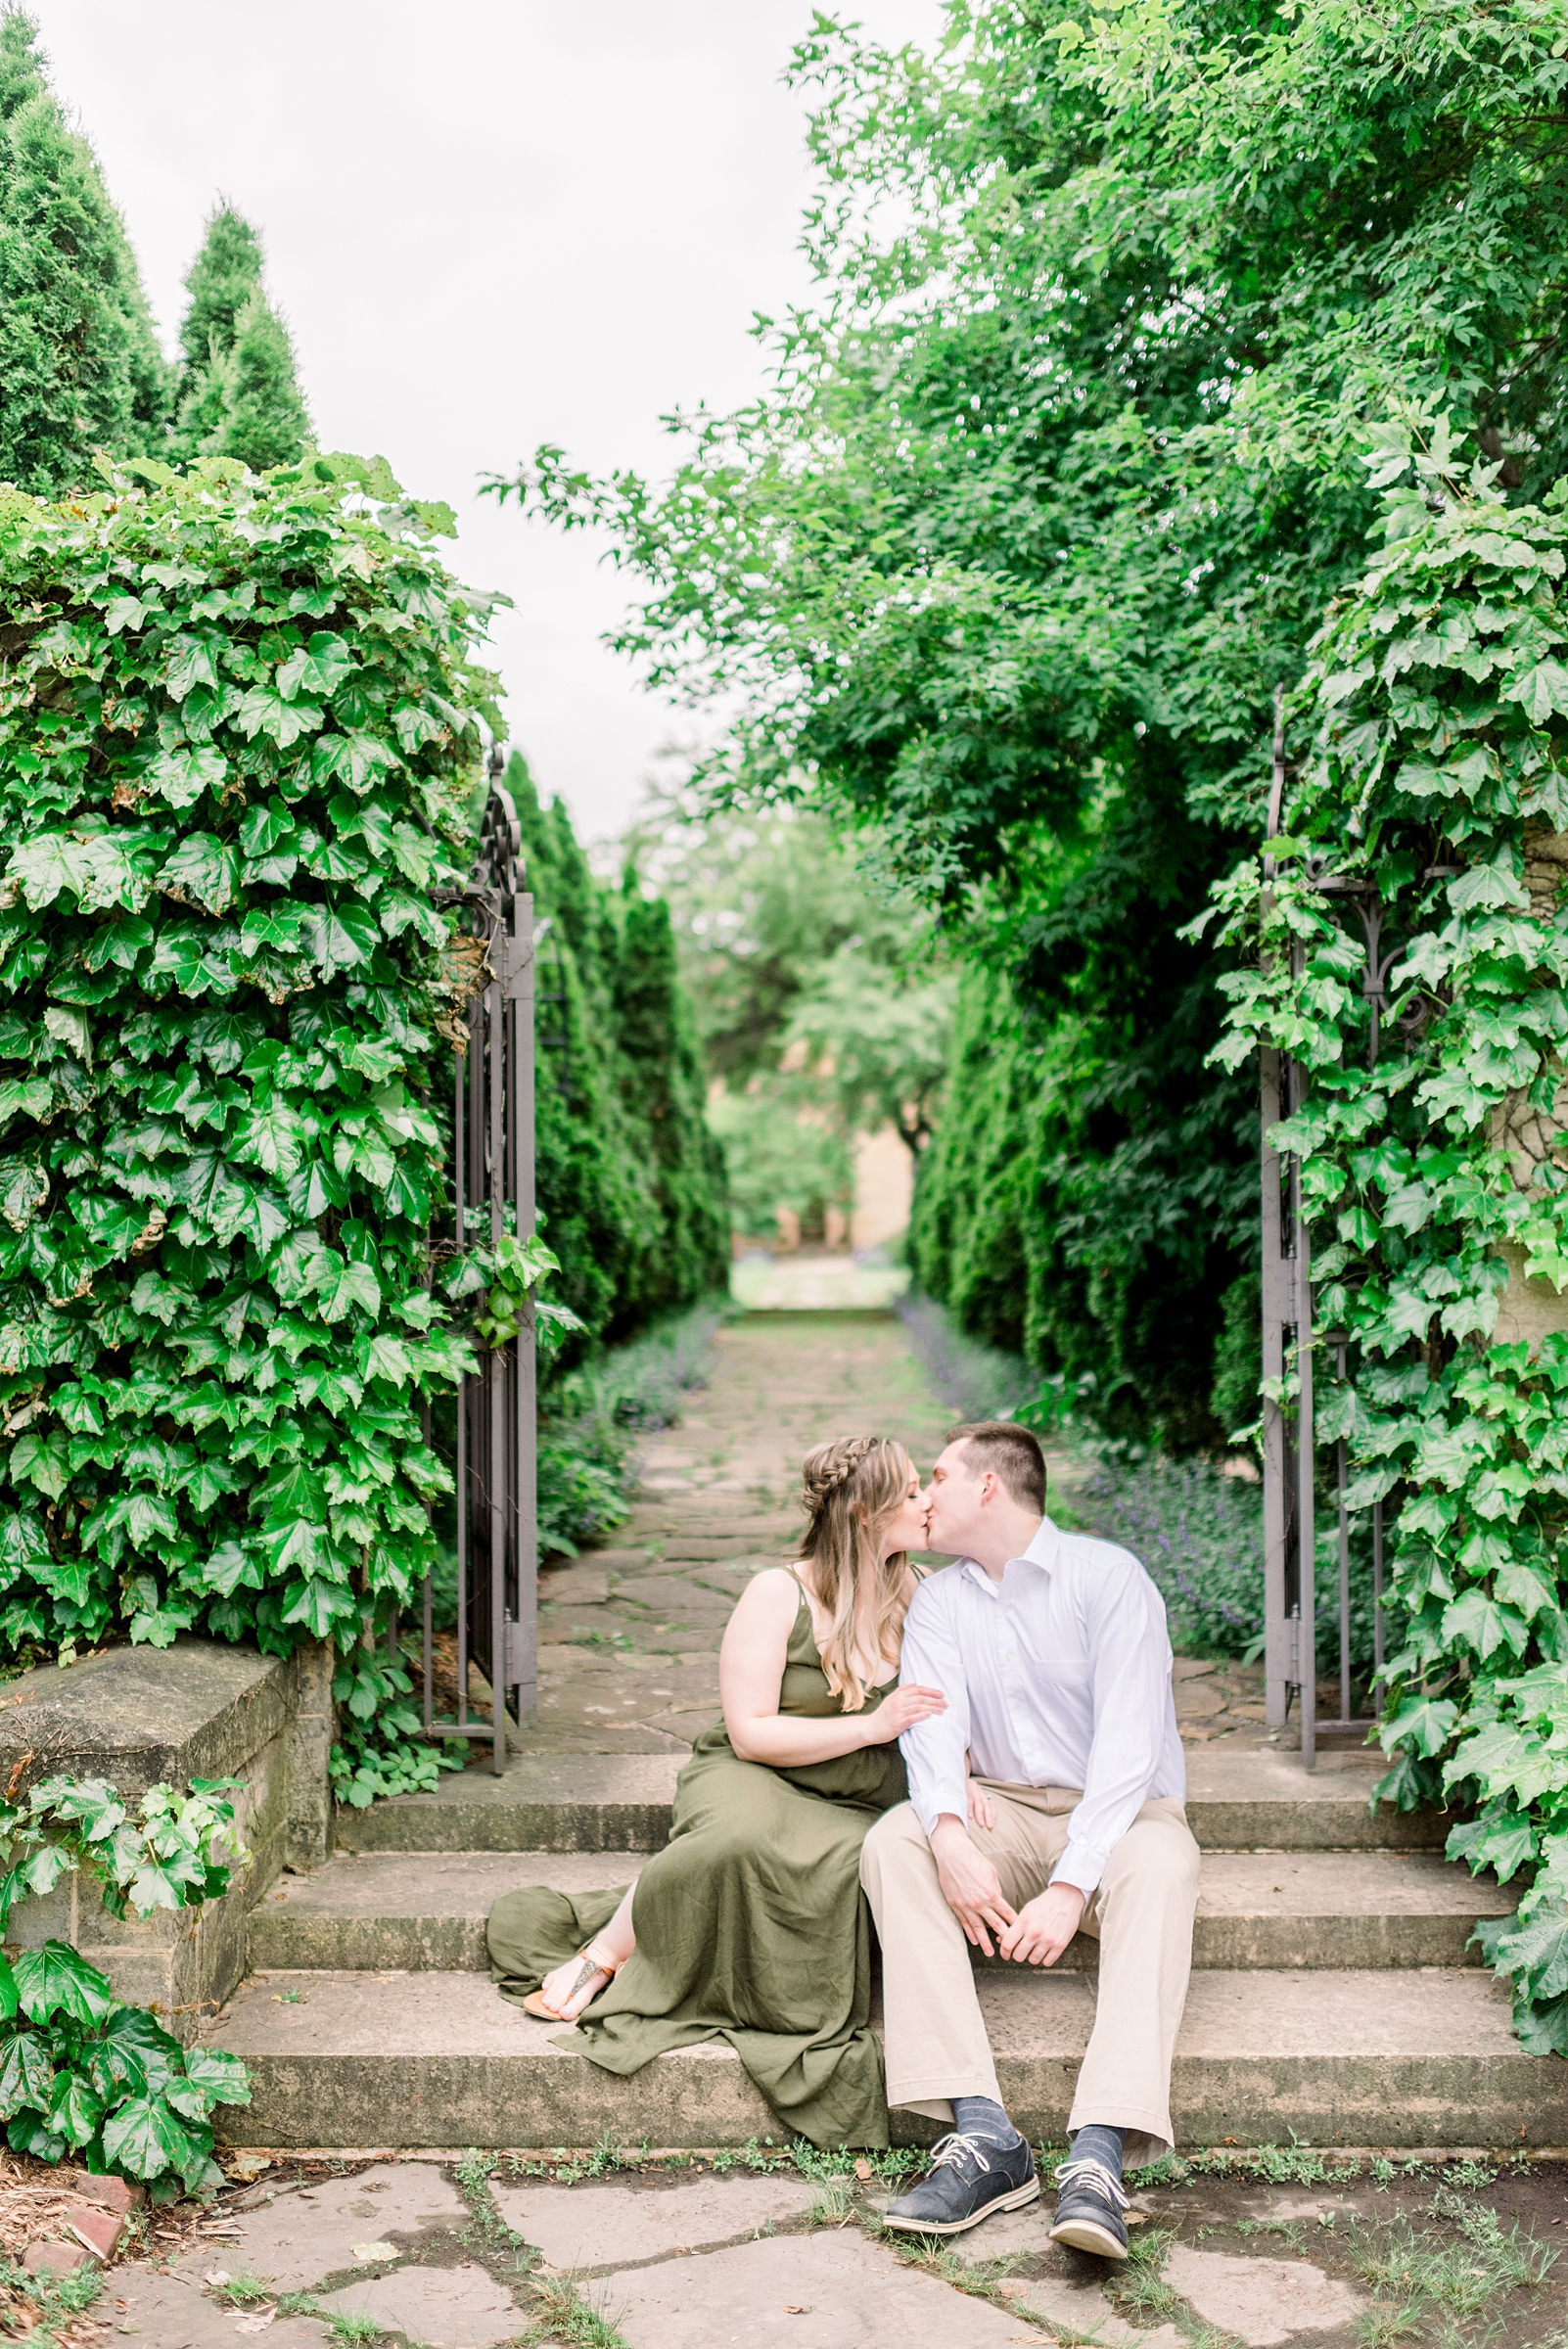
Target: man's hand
column 970, row 1885
column 1044, row 1926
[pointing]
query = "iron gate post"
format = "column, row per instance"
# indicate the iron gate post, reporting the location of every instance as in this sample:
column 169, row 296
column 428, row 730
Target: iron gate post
column 493, row 1193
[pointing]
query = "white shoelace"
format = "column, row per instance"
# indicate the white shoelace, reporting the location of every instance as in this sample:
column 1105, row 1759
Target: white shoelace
column 954, row 2146
column 1096, row 2177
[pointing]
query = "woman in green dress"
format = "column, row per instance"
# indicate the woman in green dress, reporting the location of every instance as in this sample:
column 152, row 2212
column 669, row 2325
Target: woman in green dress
column 749, row 1926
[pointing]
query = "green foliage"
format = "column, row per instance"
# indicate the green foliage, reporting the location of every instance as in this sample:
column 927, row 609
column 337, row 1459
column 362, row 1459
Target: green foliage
column 380, row 1749
column 630, row 1180
column 778, row 1155
column 1438, row 696
column 78, row 357
column 169, row 1851
column 238, row 394
column 594, row 1414
column 1046, row 496
column 816, row 999
column 79, row 2071
column 236, row 734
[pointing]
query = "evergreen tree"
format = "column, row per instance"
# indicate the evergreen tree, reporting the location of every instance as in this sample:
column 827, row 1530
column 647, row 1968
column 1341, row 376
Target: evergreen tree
column 662, row 1087
column 239, row 393
column 79, row 363
column 631, row 1181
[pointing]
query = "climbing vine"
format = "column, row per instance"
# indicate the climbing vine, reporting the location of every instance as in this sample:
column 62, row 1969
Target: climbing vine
column 238, row 733
column 1437, row 1184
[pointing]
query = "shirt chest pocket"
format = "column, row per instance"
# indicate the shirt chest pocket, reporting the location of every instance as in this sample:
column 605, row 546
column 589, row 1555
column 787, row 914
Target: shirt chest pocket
column 1067, row 1675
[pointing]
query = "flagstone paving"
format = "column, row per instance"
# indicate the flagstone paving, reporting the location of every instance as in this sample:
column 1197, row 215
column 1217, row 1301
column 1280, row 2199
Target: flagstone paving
column 496, row 2251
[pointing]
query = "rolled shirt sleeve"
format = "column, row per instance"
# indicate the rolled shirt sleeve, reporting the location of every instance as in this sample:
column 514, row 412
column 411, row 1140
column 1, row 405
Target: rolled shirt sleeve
column 934, row 1751
column 1130, row 1668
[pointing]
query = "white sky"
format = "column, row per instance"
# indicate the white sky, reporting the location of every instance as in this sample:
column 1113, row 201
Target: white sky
column 489, row 226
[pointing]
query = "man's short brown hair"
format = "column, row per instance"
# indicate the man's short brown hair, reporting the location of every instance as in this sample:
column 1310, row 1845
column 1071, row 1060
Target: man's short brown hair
column 1011, row 1452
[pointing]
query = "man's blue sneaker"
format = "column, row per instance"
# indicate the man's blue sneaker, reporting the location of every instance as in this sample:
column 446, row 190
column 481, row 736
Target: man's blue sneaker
column 1090, row 2204
column 969, row 2177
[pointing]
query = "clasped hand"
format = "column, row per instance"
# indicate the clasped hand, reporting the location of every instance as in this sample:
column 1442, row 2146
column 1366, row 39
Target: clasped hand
column 1035, row 1935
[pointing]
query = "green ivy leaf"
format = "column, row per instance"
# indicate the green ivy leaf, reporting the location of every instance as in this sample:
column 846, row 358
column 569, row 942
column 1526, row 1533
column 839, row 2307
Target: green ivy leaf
column 75, row 2109
column 57, row 1980
column 27, row 2075
column 350, row 1284
column 202, row 871
column 181, row 777
column 144, row 2137
column 222, row 2079
column 340, row 938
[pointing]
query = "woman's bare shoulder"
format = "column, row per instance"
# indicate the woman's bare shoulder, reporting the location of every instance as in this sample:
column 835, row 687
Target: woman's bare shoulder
column 774, row 1592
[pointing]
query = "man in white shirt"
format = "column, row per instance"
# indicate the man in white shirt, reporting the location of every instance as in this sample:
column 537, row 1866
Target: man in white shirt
column 1052, row 1652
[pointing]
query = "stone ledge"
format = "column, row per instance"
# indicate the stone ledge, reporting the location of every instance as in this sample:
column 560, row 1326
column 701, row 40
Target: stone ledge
column 140, row 1717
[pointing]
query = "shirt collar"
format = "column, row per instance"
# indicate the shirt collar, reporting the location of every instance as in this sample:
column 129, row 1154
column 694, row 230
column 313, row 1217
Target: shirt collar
column 1041, row 1552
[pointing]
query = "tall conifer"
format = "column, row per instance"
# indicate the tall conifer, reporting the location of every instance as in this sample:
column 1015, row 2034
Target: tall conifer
column 239, row 393
column 79, row 363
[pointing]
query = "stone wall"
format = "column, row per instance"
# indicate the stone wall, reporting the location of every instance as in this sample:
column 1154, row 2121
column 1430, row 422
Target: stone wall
column 140, row 1717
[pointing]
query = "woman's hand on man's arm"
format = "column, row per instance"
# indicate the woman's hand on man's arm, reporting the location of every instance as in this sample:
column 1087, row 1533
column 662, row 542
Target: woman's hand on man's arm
column 900, row 1712
column 751, row 1674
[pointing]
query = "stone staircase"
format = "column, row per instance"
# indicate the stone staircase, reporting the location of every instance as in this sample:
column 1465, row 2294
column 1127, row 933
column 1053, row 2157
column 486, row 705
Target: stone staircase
column 1333, row 1996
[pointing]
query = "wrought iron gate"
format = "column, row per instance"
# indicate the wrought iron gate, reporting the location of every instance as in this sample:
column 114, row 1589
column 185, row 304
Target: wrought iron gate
column 1289, row 1337
column 492, row 1189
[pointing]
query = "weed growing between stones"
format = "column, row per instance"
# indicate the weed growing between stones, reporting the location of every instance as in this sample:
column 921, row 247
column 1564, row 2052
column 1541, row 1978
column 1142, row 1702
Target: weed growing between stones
column 982, row 2280
column 241, row 2291
column 1140, row 2287
column 350, row 2328
column 566, row 2315
column 486, row 2225
column 1422, row 2276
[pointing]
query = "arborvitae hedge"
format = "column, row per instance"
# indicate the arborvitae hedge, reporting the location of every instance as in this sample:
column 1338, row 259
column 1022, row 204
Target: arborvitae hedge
column 1065, row 1211
column 630, row 1179
column 238, row 732
column 79, row 363
column 238, row 394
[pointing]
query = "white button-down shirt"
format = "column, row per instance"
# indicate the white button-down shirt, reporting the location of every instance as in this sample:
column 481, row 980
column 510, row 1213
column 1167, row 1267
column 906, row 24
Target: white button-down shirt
column 1059, row 1674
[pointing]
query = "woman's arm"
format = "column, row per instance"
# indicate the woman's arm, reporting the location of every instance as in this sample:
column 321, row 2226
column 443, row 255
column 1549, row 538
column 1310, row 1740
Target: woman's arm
column 751, row 1674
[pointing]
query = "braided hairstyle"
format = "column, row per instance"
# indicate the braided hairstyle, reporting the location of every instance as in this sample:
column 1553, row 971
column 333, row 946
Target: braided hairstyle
column 849, row 1489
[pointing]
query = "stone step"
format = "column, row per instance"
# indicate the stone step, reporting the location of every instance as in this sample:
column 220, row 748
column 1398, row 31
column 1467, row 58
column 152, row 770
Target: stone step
column 424, row 1912
column 434, row 2059
column 1239, row 1798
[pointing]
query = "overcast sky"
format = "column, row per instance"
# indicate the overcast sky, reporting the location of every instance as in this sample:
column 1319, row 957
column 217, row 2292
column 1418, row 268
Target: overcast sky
column 489, row 225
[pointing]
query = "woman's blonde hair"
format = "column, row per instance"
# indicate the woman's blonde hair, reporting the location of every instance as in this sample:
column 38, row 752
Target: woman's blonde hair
column 852, row 1488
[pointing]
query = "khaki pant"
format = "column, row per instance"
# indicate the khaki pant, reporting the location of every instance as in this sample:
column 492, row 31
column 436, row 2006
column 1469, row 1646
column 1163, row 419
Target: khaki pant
column 1140, row 1913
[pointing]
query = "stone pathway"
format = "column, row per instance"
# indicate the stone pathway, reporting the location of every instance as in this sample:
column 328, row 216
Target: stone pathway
column 730, row 2254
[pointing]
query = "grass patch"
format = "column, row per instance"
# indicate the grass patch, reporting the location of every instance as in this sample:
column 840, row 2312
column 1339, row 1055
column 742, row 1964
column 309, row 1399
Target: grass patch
column 567, row 2314
column 1422, row 2276
column 243, row 2291
column 1138, row 2287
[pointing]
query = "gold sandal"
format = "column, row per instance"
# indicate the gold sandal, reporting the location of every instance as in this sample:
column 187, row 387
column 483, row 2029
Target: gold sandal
column 534, row 2003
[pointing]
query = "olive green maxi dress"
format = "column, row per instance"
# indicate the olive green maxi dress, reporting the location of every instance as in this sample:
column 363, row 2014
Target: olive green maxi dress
column 751, row 1924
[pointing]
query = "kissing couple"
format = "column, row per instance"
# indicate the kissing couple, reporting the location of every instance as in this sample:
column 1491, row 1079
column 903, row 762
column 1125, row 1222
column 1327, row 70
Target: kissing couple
column 980, row 1758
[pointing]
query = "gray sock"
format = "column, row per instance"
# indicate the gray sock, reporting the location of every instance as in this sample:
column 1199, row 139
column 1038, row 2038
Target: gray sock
column 1098, row 2141
column 983, row 2116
